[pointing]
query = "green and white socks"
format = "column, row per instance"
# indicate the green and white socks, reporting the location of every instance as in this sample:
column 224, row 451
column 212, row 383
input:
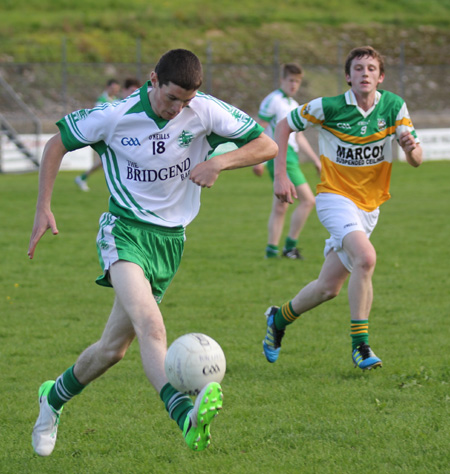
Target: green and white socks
column 65, row 388
column 272, row 251
column 177, row 404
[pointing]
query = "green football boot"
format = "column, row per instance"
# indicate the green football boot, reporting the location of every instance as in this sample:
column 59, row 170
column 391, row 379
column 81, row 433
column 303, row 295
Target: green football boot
column 196, row 429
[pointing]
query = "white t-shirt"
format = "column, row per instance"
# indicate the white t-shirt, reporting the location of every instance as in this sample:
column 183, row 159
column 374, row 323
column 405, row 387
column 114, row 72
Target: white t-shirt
column 147, row 160
column 275, row 107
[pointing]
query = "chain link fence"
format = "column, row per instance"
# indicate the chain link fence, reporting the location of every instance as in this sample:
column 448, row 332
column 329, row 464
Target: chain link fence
column 52, row 89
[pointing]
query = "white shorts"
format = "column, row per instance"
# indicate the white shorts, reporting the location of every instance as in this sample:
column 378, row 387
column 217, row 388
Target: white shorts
column 340, row 216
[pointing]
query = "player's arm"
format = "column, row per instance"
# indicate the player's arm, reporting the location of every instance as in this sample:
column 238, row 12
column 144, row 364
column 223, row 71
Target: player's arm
column 258, row 150
column 54, row 152
column 413, row 150
column 262, row 122
column 282, row 186
column 306, row 148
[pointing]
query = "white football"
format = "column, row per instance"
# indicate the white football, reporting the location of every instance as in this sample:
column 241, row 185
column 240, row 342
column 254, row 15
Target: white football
column 194, row 360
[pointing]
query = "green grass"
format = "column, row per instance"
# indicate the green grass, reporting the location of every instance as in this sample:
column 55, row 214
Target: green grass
column 310, row 412
column 106, row 31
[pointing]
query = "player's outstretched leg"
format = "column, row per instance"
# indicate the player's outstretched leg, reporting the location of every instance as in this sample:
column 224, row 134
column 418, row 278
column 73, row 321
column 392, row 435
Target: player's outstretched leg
column 272, row 341
column 196, row 430
column 45, row 430
column 364, row 358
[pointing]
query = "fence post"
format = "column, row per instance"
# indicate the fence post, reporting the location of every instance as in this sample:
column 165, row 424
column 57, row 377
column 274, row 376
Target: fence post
column 402, row 70
column 339, row 63
column 209, row 66
column 1, row 153
column 64, row 73
column 139, row 58
column 276, row 64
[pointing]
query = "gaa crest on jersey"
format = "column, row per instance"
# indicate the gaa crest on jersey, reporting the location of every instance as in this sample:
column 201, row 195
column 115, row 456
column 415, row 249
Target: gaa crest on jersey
column 80, row 114
column 238, row 115
column 381, row 124
column 185, row 139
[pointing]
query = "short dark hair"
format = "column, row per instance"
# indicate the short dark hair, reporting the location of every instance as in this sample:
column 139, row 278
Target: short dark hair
column 181, row 67
column 362, row 52
column 131, row 81
column 112, row 81
column 291, row 68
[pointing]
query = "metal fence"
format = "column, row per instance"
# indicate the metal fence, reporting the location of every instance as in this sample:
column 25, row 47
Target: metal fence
column 52, row 89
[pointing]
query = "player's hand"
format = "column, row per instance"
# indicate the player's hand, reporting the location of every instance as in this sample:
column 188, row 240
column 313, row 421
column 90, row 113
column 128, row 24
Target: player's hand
column 284, row 189
column 407, row 142
column 206, row 173
column 258, row 170
column 42, row 222
column 318, row 167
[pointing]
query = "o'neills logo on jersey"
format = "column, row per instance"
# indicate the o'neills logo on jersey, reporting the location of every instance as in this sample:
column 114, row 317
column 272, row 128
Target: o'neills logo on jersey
column 181, row 170
column 359, row 156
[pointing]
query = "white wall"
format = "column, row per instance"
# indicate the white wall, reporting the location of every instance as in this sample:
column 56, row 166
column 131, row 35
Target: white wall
column 435, row 144
column 13, row 160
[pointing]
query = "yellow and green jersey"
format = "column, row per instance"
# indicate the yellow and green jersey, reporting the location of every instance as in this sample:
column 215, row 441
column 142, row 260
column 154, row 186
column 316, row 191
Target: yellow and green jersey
column 356, row 146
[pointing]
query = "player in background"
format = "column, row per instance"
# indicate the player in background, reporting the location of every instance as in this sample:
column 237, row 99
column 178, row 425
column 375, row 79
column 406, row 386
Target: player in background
column 110, row 95
column 356, row 135
column 274, row 108
column 129, row 86
column 154, row 147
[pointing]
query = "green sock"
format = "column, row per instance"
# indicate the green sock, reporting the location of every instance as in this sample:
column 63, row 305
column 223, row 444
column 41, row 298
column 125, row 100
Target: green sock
column 65, row 388
column 84, row 176
column 359, row 332
column 177, row 404
column 290, row 243
column 285, row 316
column 271, row 251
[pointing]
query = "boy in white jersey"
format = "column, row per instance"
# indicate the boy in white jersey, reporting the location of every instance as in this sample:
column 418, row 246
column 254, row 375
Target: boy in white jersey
column 356, row 131
column 274, row 108
column 154, row 147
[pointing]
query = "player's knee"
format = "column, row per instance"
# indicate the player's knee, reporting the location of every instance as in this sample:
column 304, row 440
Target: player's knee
column 310, row 202
column 149, row 328
column 366, row 261
column 281, row 208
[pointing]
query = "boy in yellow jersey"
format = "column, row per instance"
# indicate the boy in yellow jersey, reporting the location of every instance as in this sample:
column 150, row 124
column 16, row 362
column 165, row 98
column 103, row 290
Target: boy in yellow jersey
column 356, row 134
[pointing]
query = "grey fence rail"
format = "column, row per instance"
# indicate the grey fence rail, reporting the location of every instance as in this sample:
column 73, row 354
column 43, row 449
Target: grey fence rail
column 52, row 89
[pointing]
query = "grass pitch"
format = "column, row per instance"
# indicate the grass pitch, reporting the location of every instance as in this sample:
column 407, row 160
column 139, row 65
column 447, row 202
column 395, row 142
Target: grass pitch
column 310, row 412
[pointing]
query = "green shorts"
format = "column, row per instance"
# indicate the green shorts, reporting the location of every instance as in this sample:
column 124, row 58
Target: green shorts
column 157, row 250
column 292, row 167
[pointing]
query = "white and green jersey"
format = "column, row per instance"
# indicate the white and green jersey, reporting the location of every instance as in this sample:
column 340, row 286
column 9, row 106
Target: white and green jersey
column 105, row 98
column 355, row 146
column 147, row 160
column 274, row 108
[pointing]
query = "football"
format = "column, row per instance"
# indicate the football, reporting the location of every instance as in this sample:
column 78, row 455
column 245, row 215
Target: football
column 194, row 360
